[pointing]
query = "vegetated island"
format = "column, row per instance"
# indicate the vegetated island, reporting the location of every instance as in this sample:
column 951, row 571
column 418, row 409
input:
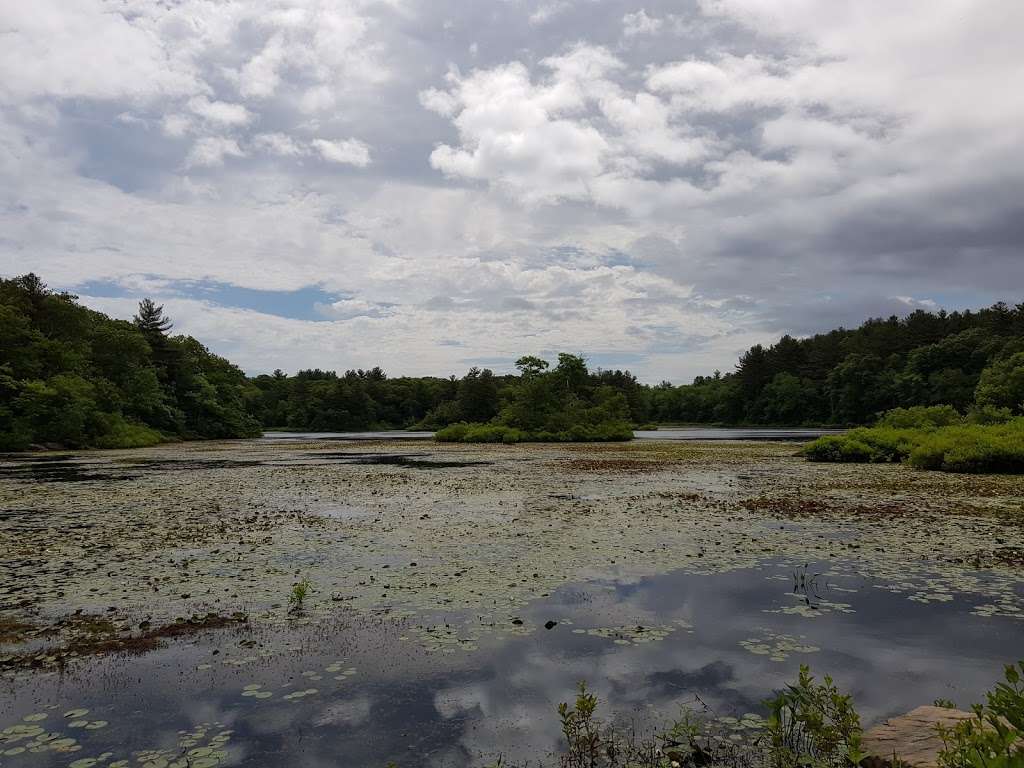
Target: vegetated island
column 72, row 377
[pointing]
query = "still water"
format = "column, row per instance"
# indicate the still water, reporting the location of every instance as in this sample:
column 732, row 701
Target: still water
column 668, row 433
column 359, row 692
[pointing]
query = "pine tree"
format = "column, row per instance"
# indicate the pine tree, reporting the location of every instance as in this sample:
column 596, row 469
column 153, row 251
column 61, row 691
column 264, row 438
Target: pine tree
column 151, row 319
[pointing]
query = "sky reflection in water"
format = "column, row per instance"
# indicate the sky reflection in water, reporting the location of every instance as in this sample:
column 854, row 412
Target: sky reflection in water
column 427, row 708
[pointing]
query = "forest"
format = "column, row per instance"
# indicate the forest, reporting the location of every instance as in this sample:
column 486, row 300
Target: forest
column 74, row 377
column 845, row 377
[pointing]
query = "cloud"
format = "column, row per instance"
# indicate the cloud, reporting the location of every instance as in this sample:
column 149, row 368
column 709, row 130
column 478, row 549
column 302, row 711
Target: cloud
column 345, row 151
column 639, row 23
column 280, row 144
column 210, row 151
column 574, row 134
column 669, row 183
column 220, row 112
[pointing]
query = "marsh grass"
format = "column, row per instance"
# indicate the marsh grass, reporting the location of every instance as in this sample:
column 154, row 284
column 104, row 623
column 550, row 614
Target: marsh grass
column 297, row 597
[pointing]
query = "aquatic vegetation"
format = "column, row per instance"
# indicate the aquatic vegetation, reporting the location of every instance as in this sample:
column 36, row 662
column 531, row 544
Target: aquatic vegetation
column 636, row 635
column 229, row 535
column 297, row 597
column 777, row 646
column 813, row 724
column 994, row 737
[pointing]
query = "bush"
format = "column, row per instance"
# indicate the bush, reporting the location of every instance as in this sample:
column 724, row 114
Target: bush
column 122, row 434
column 920, row 417
column 864, row 446
column 989, row 414
column 971, row 448
column 995, row 735
column 813, row 724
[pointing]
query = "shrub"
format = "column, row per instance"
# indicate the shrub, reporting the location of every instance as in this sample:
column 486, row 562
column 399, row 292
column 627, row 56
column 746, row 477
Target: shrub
column 921, row 417
column 972, row 448
column 122, row 434
column 994, row 737
column 865, row 445
column 813, row 725
column 989, row 414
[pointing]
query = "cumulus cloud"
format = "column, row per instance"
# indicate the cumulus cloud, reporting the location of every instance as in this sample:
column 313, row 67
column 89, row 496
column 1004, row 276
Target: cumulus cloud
column 640, row 179
column 574, row 133
column 345, row 151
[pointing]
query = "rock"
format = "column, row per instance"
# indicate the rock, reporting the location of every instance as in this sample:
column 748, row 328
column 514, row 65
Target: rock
column 913, row 737
column 550, row 624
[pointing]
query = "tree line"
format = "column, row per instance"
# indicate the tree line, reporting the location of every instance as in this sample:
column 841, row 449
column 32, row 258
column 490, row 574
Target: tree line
column 964, row 359
column 968, row 360
column 72, row 376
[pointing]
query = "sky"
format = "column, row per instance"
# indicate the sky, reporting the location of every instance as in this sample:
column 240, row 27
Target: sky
column 429, row 185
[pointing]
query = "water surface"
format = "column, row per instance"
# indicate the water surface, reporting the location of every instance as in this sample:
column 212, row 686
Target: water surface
column 355, row 692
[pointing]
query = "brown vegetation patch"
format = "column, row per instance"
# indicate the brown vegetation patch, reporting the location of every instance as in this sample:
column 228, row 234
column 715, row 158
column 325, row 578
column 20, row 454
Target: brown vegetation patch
column 786, row 505
column 988, row 558
column 615, row 465
column 793, row 506
column 97, row 636
column 14, row 631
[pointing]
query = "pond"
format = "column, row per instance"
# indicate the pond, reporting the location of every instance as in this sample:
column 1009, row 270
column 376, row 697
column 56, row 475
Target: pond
column 452, row 609
column 664, row 433
column 734, row 433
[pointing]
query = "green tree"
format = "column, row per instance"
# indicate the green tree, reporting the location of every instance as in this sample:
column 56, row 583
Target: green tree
column 151, row 319
column 1001, row 385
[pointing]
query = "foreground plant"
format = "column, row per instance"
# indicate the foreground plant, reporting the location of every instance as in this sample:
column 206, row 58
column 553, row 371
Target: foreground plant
column 297, row 597
column 814, row 725
column 994, row 737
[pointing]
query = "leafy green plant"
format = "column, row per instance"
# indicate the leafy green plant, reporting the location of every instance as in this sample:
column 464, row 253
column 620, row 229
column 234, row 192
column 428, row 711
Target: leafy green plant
column 814, row 725
column 921, row 417
column 585, row 744
column 994, row 737
column 297, row 597
column 974, row 448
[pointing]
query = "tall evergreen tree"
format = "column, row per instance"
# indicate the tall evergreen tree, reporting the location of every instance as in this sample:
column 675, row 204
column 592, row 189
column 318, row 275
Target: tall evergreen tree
column 151, row 319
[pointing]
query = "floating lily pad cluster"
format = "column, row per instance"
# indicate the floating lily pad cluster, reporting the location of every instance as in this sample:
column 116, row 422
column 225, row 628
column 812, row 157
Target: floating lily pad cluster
column 246, row 522
column 637, row 634
column 777, row 646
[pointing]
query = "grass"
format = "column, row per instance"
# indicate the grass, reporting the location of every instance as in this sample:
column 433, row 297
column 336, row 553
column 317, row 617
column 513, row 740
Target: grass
column 933, row 438
column 297, row 597
column 464, row 432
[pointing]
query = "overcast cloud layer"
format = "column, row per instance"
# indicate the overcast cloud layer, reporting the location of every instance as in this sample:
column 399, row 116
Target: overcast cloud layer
column 433, row 184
